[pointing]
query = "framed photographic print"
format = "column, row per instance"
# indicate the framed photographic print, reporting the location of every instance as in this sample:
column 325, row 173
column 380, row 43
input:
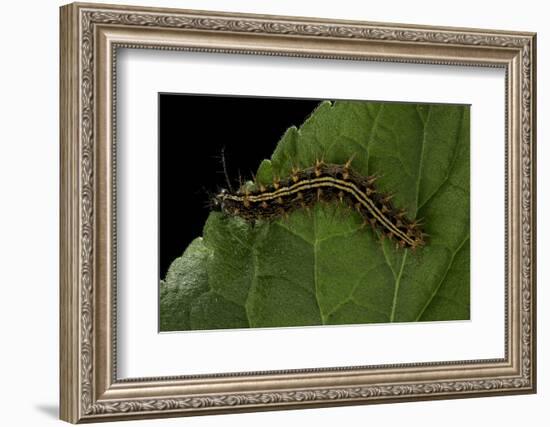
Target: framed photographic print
column 265, row 212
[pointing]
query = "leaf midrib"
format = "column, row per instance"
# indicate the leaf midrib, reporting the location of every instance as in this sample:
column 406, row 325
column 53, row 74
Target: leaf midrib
column 397, row 284
column 315, row 272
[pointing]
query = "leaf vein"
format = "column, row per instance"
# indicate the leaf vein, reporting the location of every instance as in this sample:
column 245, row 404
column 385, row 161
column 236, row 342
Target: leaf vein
column 397, row 285
column 449, row 171
column 436, row 290
column 421, row 163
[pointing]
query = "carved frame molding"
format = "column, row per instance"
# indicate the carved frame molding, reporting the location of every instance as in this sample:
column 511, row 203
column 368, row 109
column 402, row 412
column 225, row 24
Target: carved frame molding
column 90, row 35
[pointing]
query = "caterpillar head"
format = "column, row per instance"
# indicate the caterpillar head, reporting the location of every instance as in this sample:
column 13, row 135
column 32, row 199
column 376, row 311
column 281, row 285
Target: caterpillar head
column 218, row 201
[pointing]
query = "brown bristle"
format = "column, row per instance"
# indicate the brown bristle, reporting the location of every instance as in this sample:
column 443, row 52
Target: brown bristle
column 387, row 198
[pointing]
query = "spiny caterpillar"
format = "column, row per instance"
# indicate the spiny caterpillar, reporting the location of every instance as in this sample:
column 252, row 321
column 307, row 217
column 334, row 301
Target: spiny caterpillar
column 324, row 182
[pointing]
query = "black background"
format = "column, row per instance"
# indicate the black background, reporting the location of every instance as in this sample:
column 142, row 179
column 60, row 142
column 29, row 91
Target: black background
column 193, row 129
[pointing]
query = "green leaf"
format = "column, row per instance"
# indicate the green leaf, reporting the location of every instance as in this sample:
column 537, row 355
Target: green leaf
column 322, row 267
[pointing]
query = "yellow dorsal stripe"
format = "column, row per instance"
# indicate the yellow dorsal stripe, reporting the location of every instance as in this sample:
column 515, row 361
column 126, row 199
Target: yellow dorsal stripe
column 327, row 181
column 317, row 182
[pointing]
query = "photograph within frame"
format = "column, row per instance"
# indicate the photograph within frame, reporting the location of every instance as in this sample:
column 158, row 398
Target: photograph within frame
column 422, row 150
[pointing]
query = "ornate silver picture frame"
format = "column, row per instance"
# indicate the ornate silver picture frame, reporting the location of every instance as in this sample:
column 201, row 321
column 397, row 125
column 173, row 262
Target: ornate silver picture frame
column 91, row 390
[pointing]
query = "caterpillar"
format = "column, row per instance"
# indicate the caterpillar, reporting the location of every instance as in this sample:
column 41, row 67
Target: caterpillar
column 324, row 182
